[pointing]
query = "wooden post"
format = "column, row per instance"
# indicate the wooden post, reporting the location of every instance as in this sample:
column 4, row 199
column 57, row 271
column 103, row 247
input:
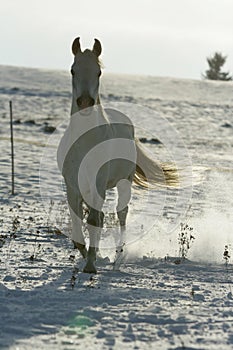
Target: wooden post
column 12, row 152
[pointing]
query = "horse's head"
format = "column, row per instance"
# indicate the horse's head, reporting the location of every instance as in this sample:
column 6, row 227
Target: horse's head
column 85, row 72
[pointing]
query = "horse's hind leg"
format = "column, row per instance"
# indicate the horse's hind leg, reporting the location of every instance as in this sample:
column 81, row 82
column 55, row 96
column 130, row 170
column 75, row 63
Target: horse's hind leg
column 122, row 215
column 76, row 213
column 124, row 195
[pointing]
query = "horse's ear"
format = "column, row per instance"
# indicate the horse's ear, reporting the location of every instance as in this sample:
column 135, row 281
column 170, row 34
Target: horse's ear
column 97, row 49
column 76, row 46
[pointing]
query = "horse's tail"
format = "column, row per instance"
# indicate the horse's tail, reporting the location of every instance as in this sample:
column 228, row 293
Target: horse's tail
column 150, row 173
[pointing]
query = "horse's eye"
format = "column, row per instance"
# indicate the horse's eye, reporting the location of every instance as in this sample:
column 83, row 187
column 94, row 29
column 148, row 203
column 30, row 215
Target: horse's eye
column 72, row 71
column 99, row 73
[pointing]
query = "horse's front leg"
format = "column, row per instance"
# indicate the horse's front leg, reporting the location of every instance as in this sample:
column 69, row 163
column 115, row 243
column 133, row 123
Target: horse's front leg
column 76, row 213
column 95, row 224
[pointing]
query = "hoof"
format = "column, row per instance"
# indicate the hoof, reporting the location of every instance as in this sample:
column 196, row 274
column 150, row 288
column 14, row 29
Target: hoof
column 90, row 268
column 81, row 248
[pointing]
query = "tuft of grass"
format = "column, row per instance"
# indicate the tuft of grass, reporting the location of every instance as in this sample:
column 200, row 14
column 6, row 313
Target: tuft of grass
column 185, row 240
column 226, row 255
column 15, row 226
column 2, row 239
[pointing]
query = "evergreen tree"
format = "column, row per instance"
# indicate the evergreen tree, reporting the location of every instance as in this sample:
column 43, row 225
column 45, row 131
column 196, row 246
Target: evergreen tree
column 215, row 64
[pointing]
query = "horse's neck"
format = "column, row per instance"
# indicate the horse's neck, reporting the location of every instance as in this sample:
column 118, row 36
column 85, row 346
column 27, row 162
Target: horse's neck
column 74, row 107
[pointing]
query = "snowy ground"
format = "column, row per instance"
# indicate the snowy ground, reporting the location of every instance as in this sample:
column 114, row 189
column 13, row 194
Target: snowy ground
column 155, row 300
column 48, row 303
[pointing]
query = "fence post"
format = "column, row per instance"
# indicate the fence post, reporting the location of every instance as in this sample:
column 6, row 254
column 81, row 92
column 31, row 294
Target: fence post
column 12, row 152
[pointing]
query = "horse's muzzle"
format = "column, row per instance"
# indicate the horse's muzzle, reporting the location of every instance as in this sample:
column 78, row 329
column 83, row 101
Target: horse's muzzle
column 84, row 102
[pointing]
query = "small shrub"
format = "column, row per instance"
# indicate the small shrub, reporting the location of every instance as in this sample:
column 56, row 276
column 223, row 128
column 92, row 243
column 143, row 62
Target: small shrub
column 215, row 65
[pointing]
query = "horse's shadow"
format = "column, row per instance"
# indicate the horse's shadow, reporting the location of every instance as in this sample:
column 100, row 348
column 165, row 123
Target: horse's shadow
column 45, row 309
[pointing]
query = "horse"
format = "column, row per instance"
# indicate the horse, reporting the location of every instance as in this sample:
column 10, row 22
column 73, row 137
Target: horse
column 99, row 151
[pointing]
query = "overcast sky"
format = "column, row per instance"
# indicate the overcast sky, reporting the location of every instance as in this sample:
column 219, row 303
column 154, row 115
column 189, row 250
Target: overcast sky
column 152, row 37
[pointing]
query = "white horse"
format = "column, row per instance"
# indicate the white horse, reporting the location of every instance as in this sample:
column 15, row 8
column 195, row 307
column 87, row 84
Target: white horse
column 97, row 152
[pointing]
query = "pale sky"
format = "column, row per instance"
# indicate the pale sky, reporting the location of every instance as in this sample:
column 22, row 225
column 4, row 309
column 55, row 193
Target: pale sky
column 151, row 37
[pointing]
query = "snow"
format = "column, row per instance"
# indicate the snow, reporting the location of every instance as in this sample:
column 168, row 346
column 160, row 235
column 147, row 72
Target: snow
column 155, row 300
column 148, row 304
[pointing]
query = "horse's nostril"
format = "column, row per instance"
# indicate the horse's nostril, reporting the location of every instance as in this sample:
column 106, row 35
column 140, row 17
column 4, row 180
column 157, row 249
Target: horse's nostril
column 85, row 101
column 92, row 101
column 79, row 101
